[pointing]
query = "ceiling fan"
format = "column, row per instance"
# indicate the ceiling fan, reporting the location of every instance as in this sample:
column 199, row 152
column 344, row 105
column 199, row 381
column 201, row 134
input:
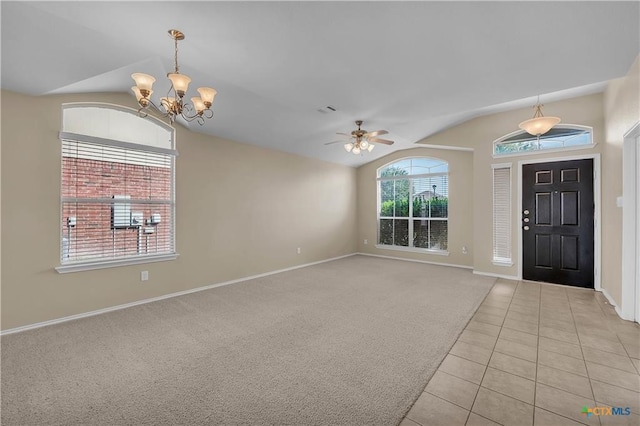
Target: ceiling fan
column 360, row 140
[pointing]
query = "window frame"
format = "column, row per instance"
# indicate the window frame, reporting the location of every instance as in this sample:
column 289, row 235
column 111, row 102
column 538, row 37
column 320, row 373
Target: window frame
column 543, row 151
column 111, row 262
column 500, row 260
column 410, row 218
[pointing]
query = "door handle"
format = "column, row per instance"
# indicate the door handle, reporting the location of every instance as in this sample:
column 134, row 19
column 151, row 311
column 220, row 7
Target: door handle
column 526, row 228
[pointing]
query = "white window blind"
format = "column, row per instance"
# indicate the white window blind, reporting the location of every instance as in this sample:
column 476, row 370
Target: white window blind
column 117, row 188
column 502, row 214
column 117, row 197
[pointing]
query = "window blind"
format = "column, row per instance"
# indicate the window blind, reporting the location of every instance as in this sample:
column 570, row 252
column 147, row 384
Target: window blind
column 502, row 214
column 117, row 200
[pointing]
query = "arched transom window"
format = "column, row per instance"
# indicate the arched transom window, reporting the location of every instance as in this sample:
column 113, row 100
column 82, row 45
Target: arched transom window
column 561, row 137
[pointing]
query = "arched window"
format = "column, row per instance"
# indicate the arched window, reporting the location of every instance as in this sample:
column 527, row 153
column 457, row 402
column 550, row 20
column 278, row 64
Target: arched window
column 413, row 201
column 560, row 138
column 117, row 188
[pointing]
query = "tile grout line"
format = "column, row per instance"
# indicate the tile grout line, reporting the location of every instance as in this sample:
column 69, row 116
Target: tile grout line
column 535, row 406
column 488, row 362
column 535, row 388
column 486, row 366
column 583, row 360
column 446, row 355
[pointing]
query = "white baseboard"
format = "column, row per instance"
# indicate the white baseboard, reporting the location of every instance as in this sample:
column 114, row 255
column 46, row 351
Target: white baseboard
column 612, row 302
column 155, row 299
column 491, row 274
column 417, row 260
column 606, row 294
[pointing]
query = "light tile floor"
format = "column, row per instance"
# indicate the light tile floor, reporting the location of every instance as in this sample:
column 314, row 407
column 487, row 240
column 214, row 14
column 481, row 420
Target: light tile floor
column 536, row 354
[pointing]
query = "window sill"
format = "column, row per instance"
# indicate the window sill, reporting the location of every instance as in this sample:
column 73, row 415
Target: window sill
column 102, row 264
column 413, row 250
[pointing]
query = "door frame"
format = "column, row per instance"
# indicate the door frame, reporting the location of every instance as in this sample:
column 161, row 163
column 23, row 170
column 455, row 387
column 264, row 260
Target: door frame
column 630, row 303
column 597, row 255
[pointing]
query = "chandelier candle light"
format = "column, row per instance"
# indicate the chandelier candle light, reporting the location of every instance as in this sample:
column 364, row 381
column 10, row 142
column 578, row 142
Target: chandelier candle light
column 173, row 104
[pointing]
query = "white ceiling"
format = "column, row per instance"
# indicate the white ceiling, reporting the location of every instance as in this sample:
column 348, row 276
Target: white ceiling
column 413, row 68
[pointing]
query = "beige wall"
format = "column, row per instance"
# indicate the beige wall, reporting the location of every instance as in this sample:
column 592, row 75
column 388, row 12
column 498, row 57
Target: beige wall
column 621, row 112
column 472, row 224
column 460, row 228
column 241, row 210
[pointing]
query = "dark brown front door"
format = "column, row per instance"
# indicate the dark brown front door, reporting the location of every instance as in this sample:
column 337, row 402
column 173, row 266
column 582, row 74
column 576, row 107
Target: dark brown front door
column 557, row 222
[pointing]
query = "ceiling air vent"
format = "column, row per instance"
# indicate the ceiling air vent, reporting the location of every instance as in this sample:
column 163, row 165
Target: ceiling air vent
column 327, row 109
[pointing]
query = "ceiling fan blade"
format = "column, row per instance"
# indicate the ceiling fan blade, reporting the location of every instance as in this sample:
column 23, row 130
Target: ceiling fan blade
column 344, row 134
column 340, row 141
column 376, row 133
column 382, row 141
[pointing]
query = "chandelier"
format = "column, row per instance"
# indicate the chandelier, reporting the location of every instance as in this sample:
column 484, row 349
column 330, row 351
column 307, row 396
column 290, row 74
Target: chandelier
column 539, row 124
column 173, row 105
column 360, row 144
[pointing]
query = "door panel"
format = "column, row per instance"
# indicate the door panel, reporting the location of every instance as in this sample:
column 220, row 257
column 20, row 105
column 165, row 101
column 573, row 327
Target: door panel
column 569, row 204
column 569, row 245
column 543, row 251
column 544, row 204
column 558, row 243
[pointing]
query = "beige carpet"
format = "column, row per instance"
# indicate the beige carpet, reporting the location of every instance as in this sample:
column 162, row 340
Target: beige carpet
column 348, row 342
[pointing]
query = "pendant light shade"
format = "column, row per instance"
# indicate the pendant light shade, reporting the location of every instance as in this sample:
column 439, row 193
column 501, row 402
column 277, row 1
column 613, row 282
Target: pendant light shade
column 143, row 81
column 207, row 94
column 180, row 83
column 539, row 124
column 198, row 104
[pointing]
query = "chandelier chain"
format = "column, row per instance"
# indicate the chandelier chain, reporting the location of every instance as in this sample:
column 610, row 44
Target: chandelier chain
column 176, row 55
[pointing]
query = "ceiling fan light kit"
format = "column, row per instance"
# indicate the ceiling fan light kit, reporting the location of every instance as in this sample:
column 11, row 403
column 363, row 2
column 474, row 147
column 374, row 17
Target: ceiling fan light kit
column 539, row 124
column 173, row 105
column 361, row 140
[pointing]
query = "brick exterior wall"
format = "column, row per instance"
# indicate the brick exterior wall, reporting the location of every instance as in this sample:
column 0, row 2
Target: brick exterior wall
column 93, row 235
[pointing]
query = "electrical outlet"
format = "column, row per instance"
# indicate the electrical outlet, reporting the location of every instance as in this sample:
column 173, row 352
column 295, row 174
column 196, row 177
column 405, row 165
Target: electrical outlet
column 366, row 242
column 298, row 250
column 144, row 276
column 465, row 250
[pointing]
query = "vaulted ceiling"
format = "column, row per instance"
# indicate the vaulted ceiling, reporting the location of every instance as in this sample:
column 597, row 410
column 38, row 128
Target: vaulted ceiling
column 412, row 68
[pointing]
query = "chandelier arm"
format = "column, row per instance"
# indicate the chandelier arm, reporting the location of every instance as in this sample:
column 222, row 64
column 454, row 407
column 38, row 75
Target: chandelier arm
column 189, row 118
column 142, row 112
column 188, row 113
